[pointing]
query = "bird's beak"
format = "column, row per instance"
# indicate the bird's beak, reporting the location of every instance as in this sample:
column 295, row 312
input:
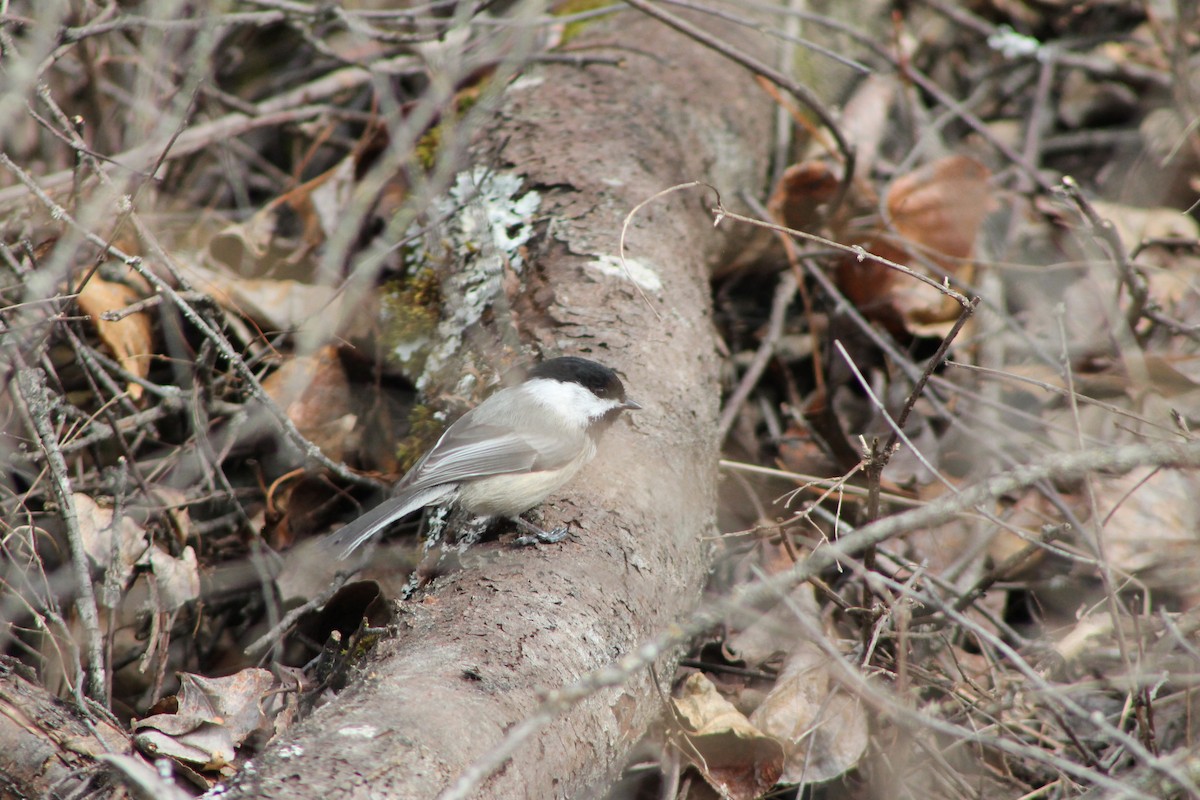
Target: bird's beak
column 631, row 405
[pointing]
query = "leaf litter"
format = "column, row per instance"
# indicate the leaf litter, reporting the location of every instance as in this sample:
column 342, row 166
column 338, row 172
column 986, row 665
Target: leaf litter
column 1044, row 644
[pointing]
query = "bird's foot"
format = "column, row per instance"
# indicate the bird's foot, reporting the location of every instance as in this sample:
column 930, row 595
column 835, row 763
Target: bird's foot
column 535, row 535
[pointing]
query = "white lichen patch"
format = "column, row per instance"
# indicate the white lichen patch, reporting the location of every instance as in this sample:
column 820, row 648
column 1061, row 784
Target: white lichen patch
column 489, row 219
column 404, row 352
column 639, row 272
column 507, row 213
column 359, row 731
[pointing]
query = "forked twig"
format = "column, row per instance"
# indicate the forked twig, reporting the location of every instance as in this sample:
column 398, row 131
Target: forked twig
column 799, row 91
column 1059, row 466
column 625, row 230
column 721, row 213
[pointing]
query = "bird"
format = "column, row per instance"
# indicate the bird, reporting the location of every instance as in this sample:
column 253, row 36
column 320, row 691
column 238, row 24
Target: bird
column 509, row 453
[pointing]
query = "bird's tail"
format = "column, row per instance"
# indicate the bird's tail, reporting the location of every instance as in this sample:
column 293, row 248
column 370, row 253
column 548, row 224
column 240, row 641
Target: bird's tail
column 354, row 534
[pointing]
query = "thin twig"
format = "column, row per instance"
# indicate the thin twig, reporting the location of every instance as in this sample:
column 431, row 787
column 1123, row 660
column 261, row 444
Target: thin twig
column 1059, row 466
column 310, row 450
column 1010, row 566
column 721, row 213
column 295, row 105
column 1132, row 278
column 37, row 405
column 930, row 367
column 799, row 91
column 625, row 231
column 784, row 292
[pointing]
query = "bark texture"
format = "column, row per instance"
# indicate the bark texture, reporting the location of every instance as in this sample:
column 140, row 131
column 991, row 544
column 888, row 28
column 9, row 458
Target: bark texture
column 478, row 647
column 47, row 748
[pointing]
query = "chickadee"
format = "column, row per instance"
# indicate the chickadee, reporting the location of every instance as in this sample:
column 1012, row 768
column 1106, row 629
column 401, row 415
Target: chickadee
column 510, row 452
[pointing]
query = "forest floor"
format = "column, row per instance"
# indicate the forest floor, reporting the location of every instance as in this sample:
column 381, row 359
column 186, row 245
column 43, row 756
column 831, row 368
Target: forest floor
column 978, row 353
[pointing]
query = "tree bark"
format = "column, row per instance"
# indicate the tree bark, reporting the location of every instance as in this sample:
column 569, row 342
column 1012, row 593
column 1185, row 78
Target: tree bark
column 477, row 648
column 47, row 748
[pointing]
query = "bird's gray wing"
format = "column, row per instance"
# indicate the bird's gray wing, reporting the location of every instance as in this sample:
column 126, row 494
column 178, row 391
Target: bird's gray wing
column 476, row 450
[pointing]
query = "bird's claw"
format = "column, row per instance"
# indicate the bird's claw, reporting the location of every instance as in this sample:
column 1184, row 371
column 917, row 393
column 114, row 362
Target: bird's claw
column 536, row 535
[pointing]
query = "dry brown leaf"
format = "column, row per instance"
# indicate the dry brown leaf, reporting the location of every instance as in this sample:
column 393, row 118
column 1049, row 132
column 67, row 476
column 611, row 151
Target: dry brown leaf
column 298, row 507
column 178, row 578
column 732, row 755
column 1173, row 280
column 259, row 245
column 940, row 207
column 767, row 636
column 800, row 192
column 1134, row 224
column 315, row 393
column 1166, row 379
column 284, row 303
column 215, row 715
column 109, row 548
column 1029, row 514
column 208, row 747
column 322, row 201
column 800, row 452
column 130, row 339
column 278, row 305
column 866, row 117
column 244, row 246
column 824, row 730
column 1151, row 528
column 938, row 211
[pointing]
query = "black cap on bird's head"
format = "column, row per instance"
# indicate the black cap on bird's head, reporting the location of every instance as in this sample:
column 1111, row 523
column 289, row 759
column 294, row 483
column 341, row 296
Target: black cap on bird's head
column 596, row 378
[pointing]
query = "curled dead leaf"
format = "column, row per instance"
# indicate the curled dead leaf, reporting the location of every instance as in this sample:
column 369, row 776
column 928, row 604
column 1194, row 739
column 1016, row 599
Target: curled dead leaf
column 936, row 213
column 131, row 338
column 733, row 756
column 1149, row 523
column 315, row 393
column 263, row 244
column 111, row 548
column 939, row 208
column 760, row 638
column 802, row 190
column 214, row 717
column 178, row 578
column 824, row 730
